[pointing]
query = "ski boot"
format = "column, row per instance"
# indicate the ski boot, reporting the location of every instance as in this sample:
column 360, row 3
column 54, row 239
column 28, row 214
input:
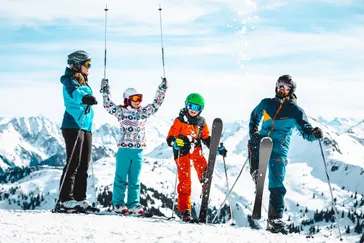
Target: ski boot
column 121, row 209
column 88, row 207
column 277, row 226
column 70, row 206
column 186, row 217
column 136, row 211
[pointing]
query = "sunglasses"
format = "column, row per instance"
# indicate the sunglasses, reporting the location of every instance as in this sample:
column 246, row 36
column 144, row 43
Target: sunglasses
column 287, row 87
column 194, row 107
column 136, row 98
column 87, row 64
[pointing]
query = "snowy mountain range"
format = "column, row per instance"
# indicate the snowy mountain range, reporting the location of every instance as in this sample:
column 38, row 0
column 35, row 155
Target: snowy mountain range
column 37, row 143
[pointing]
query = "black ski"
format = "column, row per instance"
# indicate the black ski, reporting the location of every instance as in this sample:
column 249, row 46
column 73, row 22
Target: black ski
column 265, row 151
column 214, row 144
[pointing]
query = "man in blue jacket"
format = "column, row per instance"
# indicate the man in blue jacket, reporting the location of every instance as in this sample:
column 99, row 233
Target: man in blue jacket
column 281, row 115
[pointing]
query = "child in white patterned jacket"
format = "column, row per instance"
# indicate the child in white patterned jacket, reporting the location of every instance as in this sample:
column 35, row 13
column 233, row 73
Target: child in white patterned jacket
column 132, row 118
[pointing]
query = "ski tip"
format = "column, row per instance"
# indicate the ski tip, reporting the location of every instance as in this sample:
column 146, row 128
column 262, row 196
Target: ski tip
column 266, row 139
column 217, row 119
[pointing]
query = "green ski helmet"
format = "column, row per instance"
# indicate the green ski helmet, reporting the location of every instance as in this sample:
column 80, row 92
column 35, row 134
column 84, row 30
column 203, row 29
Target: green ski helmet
column 196, row 99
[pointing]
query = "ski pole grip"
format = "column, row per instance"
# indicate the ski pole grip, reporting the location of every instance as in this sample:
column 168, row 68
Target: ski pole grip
column 87, row 110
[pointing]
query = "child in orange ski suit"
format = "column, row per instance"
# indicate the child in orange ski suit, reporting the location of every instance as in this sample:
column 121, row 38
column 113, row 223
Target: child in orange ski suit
column 189, row 129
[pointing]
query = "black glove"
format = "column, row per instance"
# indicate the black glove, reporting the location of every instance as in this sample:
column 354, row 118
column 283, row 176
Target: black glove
column 222, row 150
column 89, row 100
column 317, row 132
column 163, row 85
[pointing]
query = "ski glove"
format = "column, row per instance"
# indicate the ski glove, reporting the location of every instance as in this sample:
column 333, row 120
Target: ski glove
column 178, row 144
column 317, row 132
column 222, row 150
column 163, row 85
column 104, row 85
column 89, row 100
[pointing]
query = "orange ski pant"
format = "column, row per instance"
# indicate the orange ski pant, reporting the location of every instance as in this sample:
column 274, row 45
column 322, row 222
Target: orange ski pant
column 184, row 176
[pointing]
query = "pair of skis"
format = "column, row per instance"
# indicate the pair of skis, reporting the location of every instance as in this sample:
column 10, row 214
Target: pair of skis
column 265, row 150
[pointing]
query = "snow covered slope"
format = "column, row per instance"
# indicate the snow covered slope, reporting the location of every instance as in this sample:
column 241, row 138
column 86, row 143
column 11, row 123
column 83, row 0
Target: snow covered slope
column 306, row 182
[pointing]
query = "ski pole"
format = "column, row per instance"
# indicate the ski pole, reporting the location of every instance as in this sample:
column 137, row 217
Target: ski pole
column 332, row 197
column 175, row 184
column 231, row 189
column 87, row 110
column 227, row 185
column 106, row 9
column 93, row 181
column 160, row 23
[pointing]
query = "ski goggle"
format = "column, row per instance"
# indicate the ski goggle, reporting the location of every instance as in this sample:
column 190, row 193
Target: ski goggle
column 136, row 98
column 194, row 107
column 287, row 87
column 87, row 64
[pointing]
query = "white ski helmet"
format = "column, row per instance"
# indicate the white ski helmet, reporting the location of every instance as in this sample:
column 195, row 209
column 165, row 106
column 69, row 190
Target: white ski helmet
column 129, row 92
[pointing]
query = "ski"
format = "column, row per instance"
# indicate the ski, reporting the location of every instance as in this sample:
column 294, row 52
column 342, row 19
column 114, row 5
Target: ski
column 214, row 144
column 265, row 150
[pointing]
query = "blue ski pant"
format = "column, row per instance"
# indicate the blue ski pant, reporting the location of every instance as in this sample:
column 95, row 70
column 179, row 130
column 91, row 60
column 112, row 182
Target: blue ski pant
column 276, row 174
column 127, row 173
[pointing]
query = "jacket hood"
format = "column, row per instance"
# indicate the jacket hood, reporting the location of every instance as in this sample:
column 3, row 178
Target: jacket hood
column 186, row 118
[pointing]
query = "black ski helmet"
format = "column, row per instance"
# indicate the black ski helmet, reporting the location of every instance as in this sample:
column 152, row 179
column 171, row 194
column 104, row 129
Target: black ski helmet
column 287, row 79
column 77, row 58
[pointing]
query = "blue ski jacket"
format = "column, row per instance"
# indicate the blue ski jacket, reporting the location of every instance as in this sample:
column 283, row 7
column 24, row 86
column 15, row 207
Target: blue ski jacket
column 280, row 117
column 73, row 93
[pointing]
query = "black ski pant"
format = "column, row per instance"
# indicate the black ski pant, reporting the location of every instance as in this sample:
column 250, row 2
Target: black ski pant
column 75, row 182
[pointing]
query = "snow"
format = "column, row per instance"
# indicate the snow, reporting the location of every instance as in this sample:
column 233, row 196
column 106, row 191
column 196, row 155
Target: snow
column 45, row 227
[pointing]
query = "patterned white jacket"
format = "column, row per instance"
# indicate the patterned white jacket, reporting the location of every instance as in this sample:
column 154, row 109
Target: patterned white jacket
column 132, row 121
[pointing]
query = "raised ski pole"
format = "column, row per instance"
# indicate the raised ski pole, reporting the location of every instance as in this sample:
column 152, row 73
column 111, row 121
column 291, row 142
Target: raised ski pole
column 175, row 185
column 106, row 9
column 160, row 23
column 332, row 197
column 230, row 191
column 87, row 110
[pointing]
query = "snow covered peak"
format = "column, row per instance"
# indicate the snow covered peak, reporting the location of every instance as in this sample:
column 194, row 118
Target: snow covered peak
column 340, row 124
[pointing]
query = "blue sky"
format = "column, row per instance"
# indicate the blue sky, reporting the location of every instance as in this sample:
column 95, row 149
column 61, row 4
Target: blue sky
column 230, row 51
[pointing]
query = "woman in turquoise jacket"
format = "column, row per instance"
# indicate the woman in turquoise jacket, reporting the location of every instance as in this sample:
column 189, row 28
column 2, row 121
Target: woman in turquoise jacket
column 281, row 115
column 77, row 96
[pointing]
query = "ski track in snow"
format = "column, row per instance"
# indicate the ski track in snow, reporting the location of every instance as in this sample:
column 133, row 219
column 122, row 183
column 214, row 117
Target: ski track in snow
column 44, row 226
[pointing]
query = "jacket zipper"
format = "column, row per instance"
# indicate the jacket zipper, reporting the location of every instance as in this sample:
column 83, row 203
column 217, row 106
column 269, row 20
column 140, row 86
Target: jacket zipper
column 275, row 115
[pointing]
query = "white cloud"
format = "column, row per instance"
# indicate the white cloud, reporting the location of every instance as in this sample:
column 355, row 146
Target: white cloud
column 136, row 11
column 230, row 92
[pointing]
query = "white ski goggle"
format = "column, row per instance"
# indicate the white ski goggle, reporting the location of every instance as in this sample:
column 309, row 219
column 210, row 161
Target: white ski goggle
column 286, row 86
